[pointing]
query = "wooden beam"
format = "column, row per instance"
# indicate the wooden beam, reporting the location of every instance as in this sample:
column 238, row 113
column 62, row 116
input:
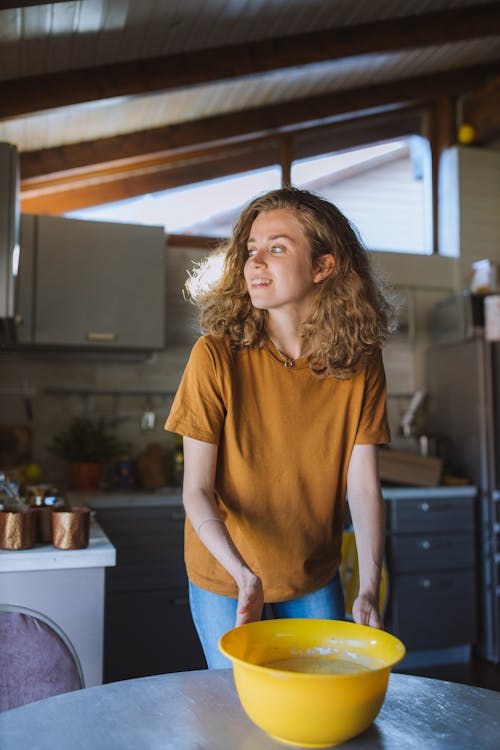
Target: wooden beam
column 439, row 126
column 481, row 110
column 269, row 120
column 126, row 180
column 105, row 186
column 37, row 93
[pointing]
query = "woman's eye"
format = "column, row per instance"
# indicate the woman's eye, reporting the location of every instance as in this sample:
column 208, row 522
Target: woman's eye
column 251, row 252
column 277, row 249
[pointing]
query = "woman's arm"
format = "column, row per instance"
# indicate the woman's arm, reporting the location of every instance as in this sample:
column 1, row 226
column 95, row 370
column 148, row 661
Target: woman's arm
column 200, row 460
column 368, row 517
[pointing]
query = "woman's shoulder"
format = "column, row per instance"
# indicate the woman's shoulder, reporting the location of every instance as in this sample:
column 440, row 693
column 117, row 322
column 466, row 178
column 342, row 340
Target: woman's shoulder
column 214, row 348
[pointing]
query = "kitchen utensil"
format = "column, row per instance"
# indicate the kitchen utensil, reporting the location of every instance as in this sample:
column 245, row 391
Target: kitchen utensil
column 148, row 418
column 338, row 690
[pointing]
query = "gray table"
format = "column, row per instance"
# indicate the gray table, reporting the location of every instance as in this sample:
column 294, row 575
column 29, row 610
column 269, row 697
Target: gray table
column 197, row 710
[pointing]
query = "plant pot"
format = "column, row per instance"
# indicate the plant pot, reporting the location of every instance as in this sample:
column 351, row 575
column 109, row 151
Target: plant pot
column 84, row 475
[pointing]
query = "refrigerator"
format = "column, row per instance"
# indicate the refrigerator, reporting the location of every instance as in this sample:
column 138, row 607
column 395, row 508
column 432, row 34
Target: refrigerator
column 463, row 414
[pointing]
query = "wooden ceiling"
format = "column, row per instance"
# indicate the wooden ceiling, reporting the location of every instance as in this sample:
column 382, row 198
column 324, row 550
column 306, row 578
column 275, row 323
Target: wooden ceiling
column 107, row 99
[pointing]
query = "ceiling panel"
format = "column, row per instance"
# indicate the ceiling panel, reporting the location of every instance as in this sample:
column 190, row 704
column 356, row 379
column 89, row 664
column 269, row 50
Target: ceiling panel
column 117, row 116
column 44, row 45
column 66, row 35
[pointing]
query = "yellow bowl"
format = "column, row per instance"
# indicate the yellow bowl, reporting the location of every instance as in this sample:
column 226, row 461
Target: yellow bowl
column 340, row 677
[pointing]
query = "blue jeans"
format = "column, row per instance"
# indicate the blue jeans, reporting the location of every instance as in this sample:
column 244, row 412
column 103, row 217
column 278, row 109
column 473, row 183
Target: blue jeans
column 213, row 614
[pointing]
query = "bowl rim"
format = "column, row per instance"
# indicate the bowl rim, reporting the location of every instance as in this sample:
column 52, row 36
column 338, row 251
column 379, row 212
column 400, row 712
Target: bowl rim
column 311, row 675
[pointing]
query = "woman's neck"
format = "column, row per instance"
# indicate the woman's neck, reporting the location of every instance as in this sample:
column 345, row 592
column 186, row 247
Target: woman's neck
column 284, row 334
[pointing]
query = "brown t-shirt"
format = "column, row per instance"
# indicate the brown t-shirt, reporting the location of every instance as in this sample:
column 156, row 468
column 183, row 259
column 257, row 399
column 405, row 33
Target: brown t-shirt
column 285, row 439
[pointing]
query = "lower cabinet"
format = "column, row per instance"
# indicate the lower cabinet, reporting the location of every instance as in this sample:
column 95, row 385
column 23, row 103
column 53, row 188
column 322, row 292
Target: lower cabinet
column 148, row 627
column 432, row 563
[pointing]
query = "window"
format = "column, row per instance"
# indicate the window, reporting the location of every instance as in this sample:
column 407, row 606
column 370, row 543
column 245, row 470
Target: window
column 384, row 189
column 375, row 169
column 207, row 208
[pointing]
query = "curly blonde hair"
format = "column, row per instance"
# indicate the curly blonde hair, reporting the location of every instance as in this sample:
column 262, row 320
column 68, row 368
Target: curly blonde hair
column 349, row 315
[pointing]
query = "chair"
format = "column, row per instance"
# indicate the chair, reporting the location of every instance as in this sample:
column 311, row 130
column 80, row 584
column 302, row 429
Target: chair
column 349, row 575
column 37, row 660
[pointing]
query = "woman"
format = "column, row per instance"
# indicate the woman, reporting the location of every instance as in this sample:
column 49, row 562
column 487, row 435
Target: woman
column 281, row 406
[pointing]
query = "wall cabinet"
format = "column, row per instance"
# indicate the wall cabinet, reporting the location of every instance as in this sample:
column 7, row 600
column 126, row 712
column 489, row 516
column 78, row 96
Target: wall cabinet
column 431, row 558
column 91, row 284
column 148, row 627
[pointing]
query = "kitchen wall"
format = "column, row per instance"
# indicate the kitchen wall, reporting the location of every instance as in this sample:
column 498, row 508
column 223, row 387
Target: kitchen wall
column 32, row 375
column 416, row 281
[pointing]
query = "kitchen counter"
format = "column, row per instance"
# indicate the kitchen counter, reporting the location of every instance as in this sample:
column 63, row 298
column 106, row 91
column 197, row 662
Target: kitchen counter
column 417, row 493
column 100, row 553
column 172, row 496
column 201, row 710
column 116, row 498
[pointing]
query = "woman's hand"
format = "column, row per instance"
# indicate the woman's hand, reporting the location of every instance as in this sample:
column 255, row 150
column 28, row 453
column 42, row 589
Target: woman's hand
column 365, row 612
column 250, row 600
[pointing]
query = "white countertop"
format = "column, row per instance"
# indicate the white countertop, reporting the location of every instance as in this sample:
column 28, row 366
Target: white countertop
column 99, row 554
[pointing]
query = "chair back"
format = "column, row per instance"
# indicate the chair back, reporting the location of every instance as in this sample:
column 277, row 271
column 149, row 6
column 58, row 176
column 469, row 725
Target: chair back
column 37, row 659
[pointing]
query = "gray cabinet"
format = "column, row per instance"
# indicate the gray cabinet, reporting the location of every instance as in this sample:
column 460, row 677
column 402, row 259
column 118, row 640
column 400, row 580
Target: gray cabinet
column 148, row 627
column 91, row 284
column 431, row 558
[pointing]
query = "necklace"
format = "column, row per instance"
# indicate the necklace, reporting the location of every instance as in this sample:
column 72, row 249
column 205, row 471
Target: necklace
column 288, row 362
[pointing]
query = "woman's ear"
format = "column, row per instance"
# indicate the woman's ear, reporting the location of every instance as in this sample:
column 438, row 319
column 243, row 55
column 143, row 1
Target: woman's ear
column 324, row 267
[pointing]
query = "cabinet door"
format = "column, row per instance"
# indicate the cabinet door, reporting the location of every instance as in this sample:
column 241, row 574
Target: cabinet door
column 148, row 625
column 434, row 610
column 148, row 633
column 99, row 284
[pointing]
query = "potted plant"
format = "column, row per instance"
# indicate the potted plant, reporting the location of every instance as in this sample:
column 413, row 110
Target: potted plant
column 86, row 444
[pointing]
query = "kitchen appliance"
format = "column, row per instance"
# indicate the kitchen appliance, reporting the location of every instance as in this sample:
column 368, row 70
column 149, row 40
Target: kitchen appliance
column 457, row 317
column 464, row 407
column 9, row 239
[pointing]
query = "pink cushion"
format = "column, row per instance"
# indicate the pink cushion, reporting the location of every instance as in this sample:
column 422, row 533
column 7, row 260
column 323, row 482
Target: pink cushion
column 35, row 662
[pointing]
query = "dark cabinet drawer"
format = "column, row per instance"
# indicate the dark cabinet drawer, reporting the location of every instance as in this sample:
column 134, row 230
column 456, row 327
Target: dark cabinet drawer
column 435, row 610
column 146, row 576
column 148, row 633
column 428, row 552
column 431, row 514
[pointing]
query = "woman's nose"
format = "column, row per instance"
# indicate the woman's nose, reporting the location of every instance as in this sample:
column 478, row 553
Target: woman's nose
column 258, row 258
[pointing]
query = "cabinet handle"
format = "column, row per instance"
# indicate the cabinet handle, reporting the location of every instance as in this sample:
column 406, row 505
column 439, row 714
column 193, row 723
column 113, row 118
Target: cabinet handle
column 425, row 507
column 101, row 336
column 428, row 583
column 435, row 544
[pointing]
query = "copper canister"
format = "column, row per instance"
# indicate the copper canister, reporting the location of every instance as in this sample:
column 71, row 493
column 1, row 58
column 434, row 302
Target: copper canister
column 17, row 529
column 43, row 498
column 70, row 527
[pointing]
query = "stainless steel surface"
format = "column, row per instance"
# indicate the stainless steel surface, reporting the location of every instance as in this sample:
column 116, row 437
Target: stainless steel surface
column 201, row 710
column 464, row 407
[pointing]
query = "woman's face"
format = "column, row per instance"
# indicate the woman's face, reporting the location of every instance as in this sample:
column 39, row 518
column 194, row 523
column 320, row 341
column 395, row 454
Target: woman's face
column 279, row 272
